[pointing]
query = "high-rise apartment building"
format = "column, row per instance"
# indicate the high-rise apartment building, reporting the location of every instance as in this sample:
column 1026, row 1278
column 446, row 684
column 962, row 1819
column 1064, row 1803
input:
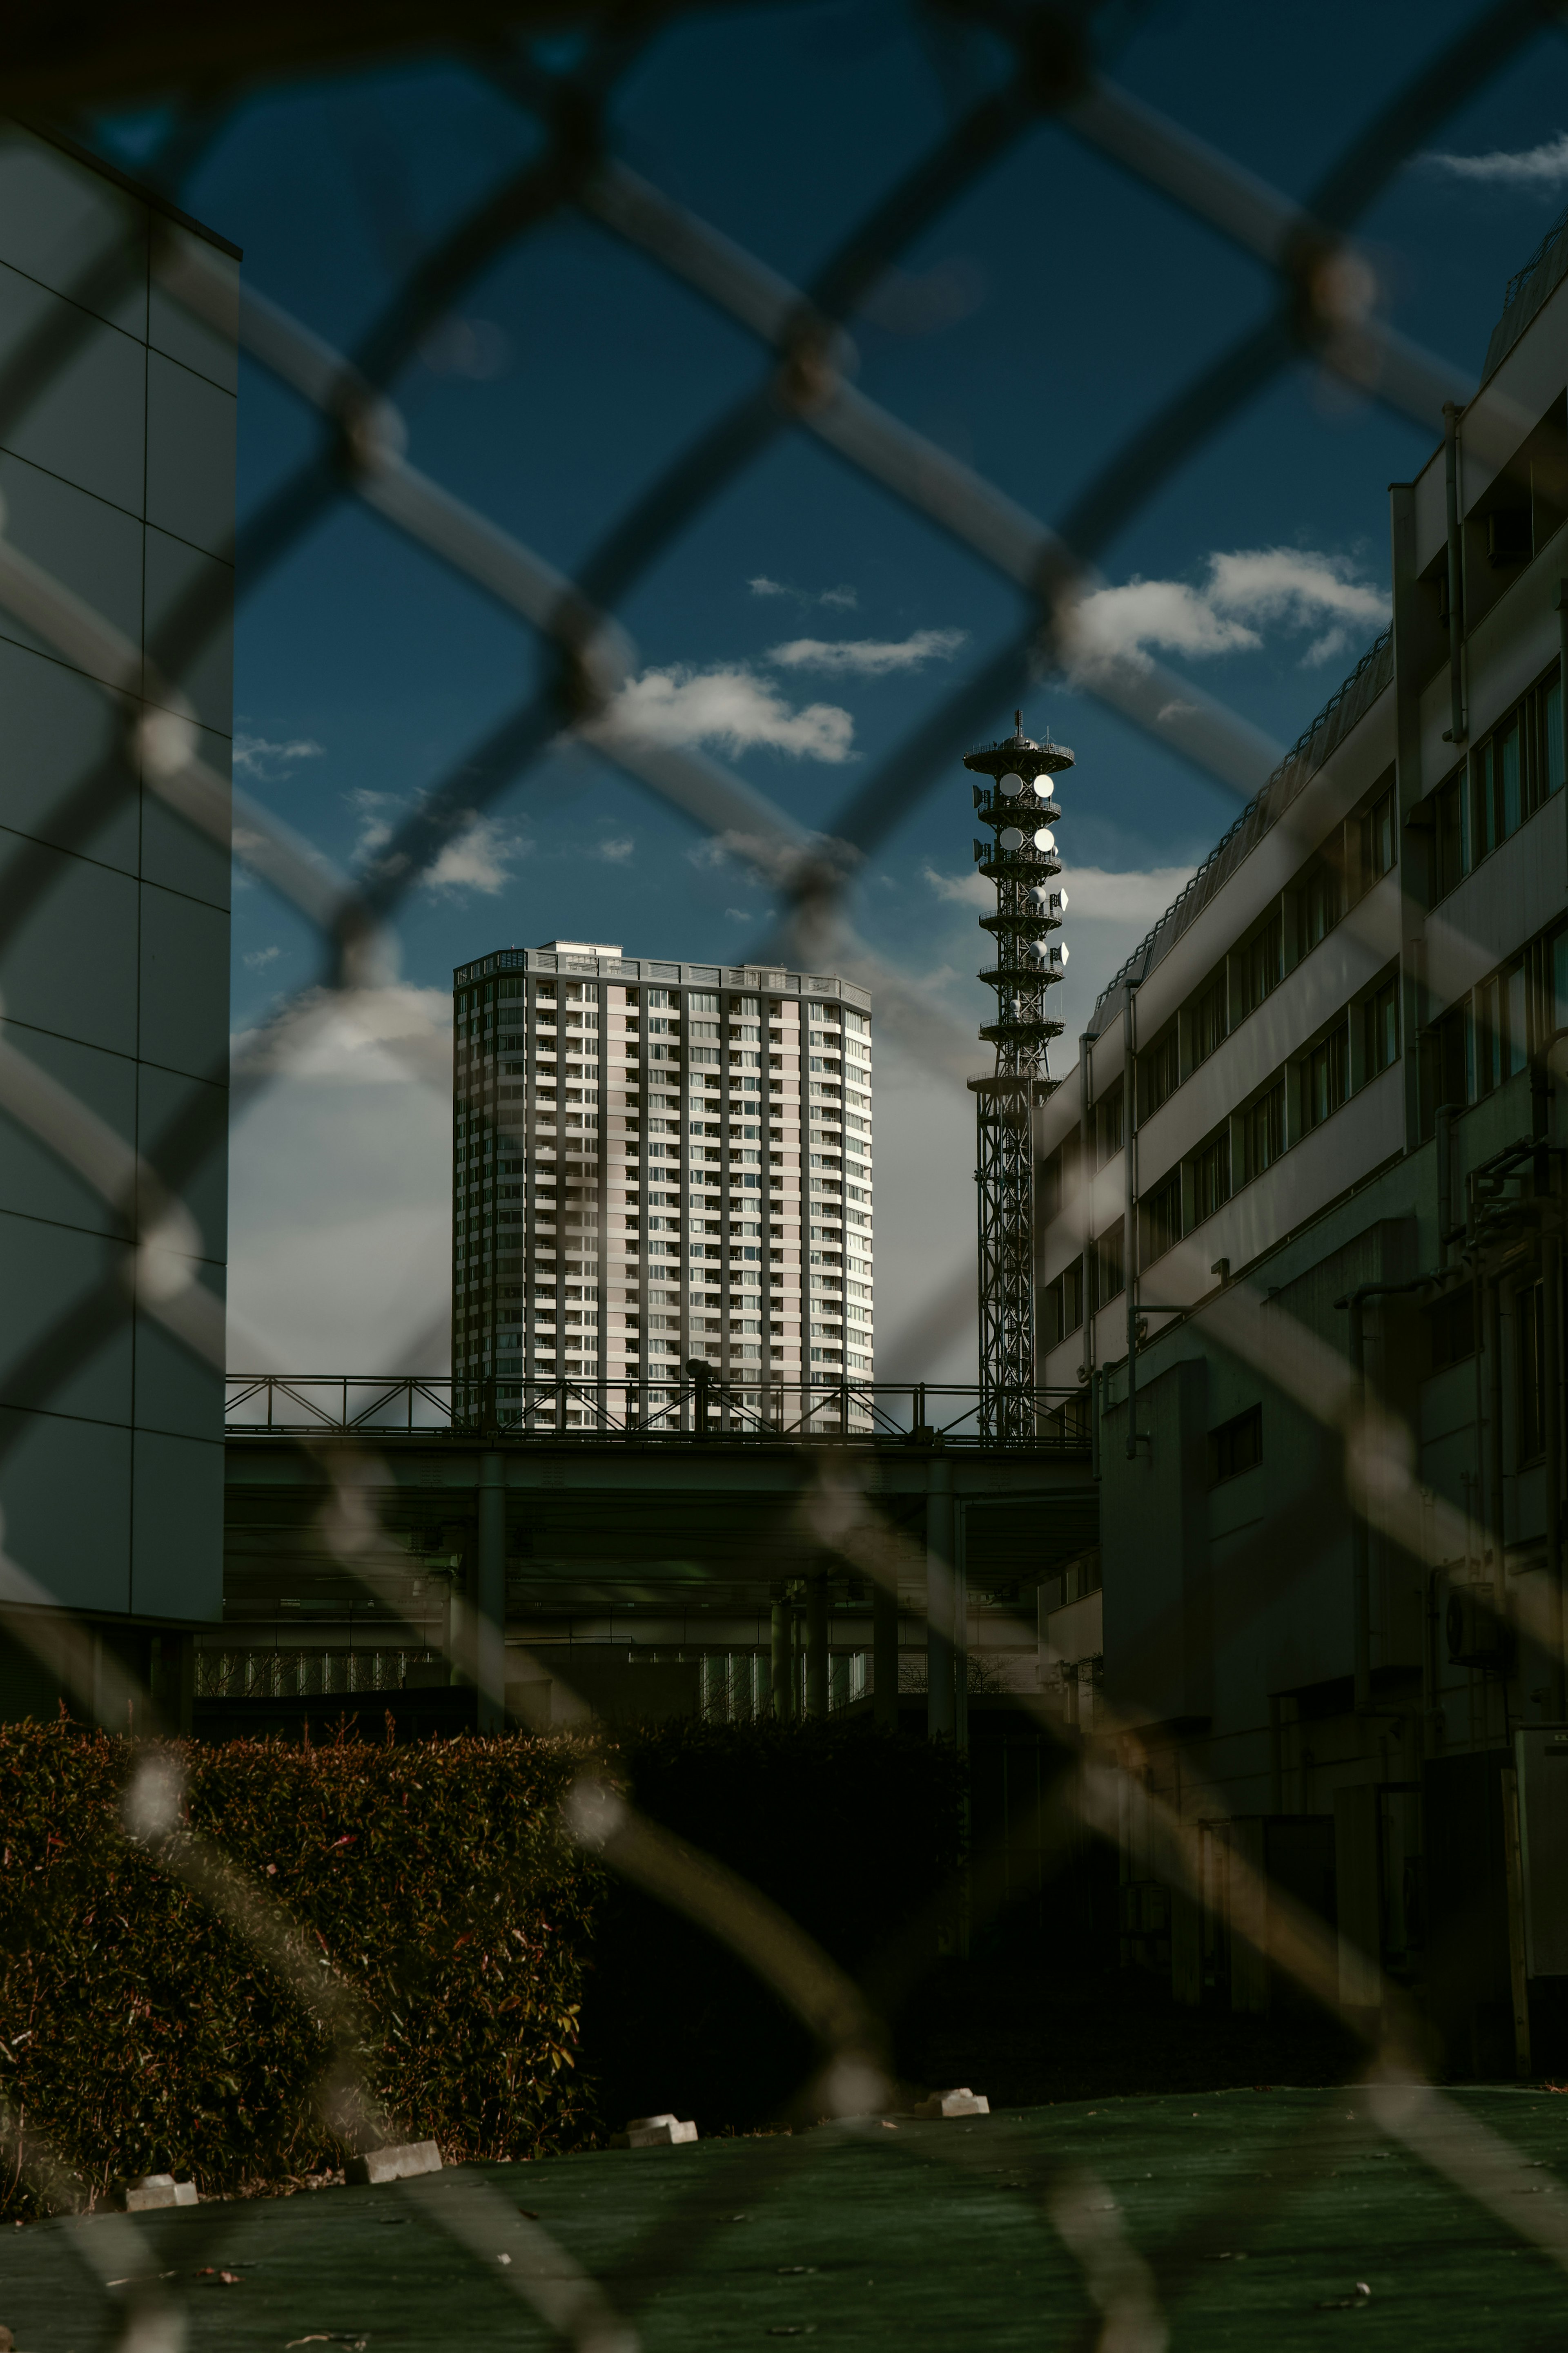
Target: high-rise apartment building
column 655, row 1163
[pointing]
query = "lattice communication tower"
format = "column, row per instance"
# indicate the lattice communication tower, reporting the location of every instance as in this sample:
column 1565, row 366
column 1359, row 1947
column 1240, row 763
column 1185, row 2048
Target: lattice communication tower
column 1019, row 805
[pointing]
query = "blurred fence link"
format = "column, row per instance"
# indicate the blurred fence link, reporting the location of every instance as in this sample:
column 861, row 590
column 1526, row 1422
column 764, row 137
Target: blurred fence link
column 1326, row 314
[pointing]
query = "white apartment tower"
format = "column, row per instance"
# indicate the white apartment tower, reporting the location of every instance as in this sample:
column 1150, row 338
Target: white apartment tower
column 655, row 1163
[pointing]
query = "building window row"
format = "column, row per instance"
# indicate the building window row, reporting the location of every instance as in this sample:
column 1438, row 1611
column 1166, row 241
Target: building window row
column 1357, row 1048
column 1353, row 860
column 1489, row 1036
column 1506, row 778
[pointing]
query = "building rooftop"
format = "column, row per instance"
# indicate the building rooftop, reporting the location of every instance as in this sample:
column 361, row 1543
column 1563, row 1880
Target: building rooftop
column 1344, row 707
column 578, row 947
column 1526, row 290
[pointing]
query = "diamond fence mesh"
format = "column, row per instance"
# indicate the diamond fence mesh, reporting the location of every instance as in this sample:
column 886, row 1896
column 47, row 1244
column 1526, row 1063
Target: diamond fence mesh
column 1326, row 308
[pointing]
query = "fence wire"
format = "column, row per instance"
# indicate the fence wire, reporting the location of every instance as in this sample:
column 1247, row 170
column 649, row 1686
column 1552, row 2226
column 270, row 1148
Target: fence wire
column 1326, row 311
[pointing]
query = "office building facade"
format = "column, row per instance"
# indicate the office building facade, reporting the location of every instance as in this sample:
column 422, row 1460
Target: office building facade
column 655, row 1163
column 117, row 475
column 1304, row 1131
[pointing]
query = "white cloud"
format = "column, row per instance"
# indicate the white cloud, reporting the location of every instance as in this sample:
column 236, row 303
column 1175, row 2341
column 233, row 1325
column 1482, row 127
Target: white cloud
column 1247, row 592
column 374, row 823
column 842, row 599
column 1126, row 622
column 1290, row 585
column 1545, row 166
column 268, row 763
column 368, row 1037
column 1321, row 650
column 480, row 858
column 739, row 915
column 1095, row 894
column 868, row 656
column 340, row 1248
column 968, row 890
column 616, row 850
column 259, row 958
column 728, row 705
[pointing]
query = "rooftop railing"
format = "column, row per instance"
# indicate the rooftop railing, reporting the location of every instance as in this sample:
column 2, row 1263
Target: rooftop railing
column 683, row 1408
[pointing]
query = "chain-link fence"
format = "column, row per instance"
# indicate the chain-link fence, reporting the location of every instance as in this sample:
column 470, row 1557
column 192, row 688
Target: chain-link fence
column 1326, row 308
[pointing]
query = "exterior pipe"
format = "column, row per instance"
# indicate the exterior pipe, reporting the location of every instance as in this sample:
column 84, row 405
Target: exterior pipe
column 1455, row 572
column 1129, row 1212
column 1360, row 1535
column 1443, row 1129
column 1563, row 677
column 1551, row 1355
column 817, row 1647
column 939, row 1598
column 490, row 1595
column 884, row 1659
column 1356, row 1483
column 780, row 1661
column 1496, row 1514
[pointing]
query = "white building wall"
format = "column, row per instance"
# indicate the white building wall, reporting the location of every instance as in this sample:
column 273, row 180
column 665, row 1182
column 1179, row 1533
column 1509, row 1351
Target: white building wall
column 655, row 1163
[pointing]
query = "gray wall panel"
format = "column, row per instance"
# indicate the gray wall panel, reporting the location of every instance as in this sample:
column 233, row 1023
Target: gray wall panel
column 33, row 1181
column 70, row 962
column 65, row 1490
column 178, row 1116
column 91, row 427
column 91, row 547
column 177, row 853
column 176, row 1570
column 171, row 328
column 59, row 221
column 52, row 1275
column 176, row 574
column 64, row 773
column 184, row 983
column 190, row 455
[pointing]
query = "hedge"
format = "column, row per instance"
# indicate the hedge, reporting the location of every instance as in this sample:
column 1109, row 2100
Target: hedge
column 515, row 1998
column 139, row 2034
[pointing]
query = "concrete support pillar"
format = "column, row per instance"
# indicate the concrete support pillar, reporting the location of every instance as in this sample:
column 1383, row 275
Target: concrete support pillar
column 782, row 1661
column 817, row 1647
column 939, row 1598
column 960, row 1627
column 490, row 1594
column 884, row 1659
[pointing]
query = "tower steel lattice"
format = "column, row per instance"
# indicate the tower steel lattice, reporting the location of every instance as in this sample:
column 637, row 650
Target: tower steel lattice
column 1022, row 861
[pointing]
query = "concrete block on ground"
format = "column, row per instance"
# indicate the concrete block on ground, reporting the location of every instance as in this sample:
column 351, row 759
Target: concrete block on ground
column 400, row 2163
column 159, row 2189
column 961, row 2103
column 654, row 2132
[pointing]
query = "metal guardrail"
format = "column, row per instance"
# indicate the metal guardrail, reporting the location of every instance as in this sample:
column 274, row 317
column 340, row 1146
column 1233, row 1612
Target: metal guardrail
column 688, row 1406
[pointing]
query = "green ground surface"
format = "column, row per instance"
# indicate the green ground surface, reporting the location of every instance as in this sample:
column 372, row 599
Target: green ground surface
column 1256, row 2210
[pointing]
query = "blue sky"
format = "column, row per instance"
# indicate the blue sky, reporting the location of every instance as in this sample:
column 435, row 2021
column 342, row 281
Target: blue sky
column 1050, row 310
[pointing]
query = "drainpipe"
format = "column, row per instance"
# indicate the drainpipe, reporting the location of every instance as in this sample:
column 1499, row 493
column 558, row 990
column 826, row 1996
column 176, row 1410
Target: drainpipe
column 1563, row 674
column 1494, row 1436
column 1443, row 1129
column 1129, row 1212
column 1361, row 1533
column 1456, row 733
column 1552, row 1366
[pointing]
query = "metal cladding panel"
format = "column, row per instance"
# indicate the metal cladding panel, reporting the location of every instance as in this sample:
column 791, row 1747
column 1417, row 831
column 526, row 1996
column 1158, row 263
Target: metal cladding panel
column 1542, row 1754
column 1154, row 1546
column 115, row 981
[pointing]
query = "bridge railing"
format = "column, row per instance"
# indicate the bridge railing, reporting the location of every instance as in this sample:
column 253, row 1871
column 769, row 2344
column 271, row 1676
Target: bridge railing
column 681, row 1407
